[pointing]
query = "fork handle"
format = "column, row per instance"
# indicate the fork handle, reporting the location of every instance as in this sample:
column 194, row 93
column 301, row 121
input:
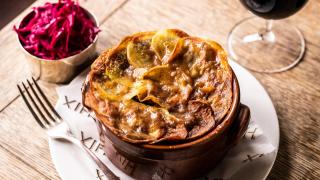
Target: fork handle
column 100, row 164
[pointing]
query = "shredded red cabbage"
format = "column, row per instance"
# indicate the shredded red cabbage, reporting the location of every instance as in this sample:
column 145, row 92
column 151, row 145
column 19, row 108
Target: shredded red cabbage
column 57, row 30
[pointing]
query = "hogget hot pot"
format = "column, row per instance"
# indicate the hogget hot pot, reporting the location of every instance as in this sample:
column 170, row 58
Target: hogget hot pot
column 167, row 105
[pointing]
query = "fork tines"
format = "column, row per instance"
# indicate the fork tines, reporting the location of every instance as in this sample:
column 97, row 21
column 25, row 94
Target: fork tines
column 38, row 104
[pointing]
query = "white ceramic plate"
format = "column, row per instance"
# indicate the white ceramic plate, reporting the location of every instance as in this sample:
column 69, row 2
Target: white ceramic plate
column 73, row 164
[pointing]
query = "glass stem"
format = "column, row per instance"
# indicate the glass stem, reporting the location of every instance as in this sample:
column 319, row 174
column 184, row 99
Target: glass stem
column 266, row 33
column 269, row 24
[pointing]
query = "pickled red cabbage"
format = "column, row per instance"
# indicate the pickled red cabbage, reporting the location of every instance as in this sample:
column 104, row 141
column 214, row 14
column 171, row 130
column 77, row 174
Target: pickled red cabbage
column 57, row 30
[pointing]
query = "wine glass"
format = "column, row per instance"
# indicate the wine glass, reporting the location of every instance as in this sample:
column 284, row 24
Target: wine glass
column 265, row 45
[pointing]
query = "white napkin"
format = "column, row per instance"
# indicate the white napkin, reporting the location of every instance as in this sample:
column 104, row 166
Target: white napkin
column 253, row 153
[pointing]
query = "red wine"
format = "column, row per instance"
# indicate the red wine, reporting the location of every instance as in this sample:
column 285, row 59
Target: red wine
column 274, row 9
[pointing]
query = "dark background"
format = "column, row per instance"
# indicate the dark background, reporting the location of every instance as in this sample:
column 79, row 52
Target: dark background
column 9, row 9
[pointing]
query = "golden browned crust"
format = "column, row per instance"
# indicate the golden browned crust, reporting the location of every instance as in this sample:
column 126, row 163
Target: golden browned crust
column 160, row 86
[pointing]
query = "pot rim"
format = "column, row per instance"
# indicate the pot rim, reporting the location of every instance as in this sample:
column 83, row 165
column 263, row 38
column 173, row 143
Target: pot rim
column 215, row 132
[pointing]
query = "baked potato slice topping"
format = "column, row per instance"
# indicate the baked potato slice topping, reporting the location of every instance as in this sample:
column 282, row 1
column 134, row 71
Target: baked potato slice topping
column 162, row 86
column 165, row 43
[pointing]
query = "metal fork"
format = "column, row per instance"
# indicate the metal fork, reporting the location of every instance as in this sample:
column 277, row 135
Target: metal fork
column 49, row 119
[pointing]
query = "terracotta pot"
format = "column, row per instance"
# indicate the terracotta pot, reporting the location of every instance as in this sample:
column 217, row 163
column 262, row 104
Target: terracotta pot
column 179, row 161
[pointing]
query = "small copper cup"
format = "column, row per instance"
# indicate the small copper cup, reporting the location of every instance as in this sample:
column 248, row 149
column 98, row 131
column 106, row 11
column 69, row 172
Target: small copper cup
column 60, row 70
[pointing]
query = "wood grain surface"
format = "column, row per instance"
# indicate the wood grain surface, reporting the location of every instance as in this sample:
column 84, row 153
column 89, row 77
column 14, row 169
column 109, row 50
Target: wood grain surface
column 295, row 93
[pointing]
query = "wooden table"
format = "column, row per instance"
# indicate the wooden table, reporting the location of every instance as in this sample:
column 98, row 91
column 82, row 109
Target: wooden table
column 24, row 151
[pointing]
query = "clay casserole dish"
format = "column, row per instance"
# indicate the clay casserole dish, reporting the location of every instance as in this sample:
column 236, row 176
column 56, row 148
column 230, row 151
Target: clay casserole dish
column 167, row 105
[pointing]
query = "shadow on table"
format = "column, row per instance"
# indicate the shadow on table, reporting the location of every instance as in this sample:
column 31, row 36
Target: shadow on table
column 282, row 165
column 11, row 8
